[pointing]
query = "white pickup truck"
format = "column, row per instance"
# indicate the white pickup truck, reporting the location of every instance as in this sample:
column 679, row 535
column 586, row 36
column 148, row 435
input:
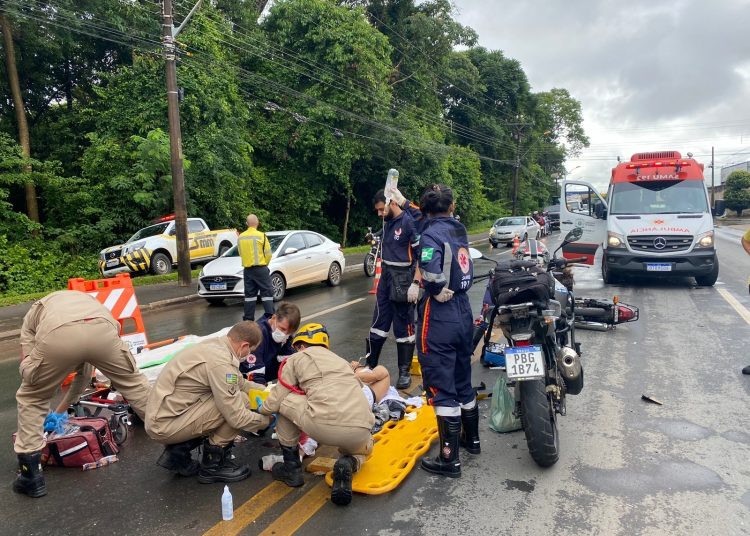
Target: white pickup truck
column 154, row 248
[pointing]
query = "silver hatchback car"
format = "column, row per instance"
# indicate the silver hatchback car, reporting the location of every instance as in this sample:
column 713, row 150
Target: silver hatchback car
column 504, row 230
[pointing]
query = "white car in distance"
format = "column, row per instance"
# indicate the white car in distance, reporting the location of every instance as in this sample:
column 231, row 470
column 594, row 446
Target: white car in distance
column 298, row 257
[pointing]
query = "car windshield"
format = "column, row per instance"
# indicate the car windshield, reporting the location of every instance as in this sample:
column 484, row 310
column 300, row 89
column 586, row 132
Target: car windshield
column 658, row 197
column 273, row 241
column 146, row 232
column 508, row 222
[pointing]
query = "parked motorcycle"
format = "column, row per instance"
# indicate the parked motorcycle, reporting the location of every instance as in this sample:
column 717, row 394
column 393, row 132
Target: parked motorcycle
column 371, row 258
column 603, row 314
column 536, row 314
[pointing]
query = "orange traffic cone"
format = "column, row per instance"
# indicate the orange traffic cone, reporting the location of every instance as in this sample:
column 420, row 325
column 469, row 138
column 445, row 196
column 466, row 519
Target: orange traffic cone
column 375, row 283
column 516, row 244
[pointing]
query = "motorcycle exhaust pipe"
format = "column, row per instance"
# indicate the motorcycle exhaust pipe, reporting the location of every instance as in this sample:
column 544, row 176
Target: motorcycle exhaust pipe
column 594, row 326
column 569, row 365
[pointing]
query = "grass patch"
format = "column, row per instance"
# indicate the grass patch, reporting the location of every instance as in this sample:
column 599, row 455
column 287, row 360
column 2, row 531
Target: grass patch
column 356, row 249
column 21, row 298
column 480, row 227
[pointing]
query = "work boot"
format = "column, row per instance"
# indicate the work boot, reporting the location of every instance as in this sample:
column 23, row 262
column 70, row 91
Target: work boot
column 178, row 459
column 30, row 480
column 405, row 353
column 373, row 347
column 343, row 472
column 470, row 430
column 290, row 471
column 217, row 465
column 478, row 335
column 446, row 463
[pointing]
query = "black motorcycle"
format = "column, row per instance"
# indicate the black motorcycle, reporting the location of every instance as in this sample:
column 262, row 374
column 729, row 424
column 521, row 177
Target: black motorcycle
column 603, row 314
column 536, row 314
column 371, row 258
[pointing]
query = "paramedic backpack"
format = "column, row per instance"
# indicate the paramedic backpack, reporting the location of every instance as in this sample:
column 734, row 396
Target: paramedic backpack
column 517, row 281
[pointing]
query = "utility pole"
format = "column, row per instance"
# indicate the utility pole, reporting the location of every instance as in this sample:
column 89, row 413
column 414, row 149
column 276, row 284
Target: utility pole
column 517, row 165
column 713, row 187
column 175, row 144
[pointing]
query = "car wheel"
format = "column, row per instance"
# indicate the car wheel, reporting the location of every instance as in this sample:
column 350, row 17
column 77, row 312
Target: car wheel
column 709, row 280
column 215, row 301
column 160, row 264
column 607, row 276
column 278, row 284
column 334, row 275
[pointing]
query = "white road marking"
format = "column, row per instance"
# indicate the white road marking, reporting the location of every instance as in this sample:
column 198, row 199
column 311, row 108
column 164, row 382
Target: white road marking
column 731, row 300
column 332, row 309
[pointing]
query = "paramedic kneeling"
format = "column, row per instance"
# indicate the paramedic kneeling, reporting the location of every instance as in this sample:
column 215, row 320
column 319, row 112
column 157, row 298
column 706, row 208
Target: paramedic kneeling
column 201, row 393
column 61, row 332
column 319, row 394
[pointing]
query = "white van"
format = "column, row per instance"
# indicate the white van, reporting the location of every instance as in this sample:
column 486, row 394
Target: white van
column 656, row 219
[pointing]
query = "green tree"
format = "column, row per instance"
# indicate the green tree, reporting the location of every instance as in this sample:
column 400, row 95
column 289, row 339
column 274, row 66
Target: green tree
column 737, row 191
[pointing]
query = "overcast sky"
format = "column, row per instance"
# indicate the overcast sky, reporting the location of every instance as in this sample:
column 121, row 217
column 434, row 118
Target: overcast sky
column 650, row 74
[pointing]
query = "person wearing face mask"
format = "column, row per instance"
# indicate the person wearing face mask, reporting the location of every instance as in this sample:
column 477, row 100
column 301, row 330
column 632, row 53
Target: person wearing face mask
column 274, row 345
column 201, row 397
column 398, row 288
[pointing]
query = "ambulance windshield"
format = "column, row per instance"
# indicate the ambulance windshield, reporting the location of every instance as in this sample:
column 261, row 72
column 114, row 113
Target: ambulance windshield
column 659, row 197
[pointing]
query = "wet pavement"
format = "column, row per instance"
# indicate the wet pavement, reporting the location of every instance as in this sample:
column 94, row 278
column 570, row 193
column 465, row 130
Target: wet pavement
column 626, row 466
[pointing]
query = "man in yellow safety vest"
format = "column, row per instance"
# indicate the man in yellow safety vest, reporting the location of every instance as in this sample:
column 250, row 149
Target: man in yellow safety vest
column 255, row 252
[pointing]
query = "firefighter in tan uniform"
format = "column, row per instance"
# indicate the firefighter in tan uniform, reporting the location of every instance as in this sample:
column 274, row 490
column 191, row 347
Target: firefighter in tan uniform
column 319, row 394
column 200, row 396
column 60, row 333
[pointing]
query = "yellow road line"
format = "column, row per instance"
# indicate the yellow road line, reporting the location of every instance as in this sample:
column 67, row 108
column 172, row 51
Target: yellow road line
column 251, row 510
column 731, row 300
column 332, row 309
column 297, row 515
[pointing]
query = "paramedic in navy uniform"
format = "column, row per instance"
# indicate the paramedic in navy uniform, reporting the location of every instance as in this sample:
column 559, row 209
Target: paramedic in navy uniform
column 444, row 331
column 399, row 237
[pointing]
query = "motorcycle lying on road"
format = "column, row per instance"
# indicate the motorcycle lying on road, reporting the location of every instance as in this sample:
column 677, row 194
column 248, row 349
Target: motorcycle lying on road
column 372, row 256
column 536, row 314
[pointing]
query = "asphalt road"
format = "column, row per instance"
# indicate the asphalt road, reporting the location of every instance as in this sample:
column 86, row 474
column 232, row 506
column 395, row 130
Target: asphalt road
column 626, row 466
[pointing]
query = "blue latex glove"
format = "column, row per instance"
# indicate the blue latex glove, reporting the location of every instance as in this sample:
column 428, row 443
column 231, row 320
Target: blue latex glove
column 55, row 422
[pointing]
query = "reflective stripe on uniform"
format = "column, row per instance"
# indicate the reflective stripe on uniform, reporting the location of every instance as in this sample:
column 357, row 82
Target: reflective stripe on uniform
column 410, row 338
column 380, row 332
column 432, row 277
column 446, row 411
column 396, row 263
column 470, row 405
column 267, row 298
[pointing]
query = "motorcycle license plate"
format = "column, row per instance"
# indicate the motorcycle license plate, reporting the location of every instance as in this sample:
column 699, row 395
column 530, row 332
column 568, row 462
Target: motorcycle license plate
column 524, row 363
column 659, row 267
column 217, row 286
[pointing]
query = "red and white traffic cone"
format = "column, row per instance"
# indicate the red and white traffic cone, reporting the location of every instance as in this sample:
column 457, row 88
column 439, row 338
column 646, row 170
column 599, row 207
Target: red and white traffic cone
column 516, row 244
column 375, row 283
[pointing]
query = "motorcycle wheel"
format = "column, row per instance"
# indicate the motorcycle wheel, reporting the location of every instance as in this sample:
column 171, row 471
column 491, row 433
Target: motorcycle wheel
column 539, row 423
column 369, row 265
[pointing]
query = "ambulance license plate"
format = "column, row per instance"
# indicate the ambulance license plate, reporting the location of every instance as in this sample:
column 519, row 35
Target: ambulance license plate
column 659, row 267
column 217, row 286
column 524, row 362
column 112, row 262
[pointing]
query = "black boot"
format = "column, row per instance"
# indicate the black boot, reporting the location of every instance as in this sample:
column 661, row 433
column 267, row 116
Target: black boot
column 479, row 331
column 373, row 347
column 446, row 463
column 30, row 480
column 217, row 465
column 178, row 459
column 343, row 472
column 405, row 352
column 470, row 430
column 290, row 471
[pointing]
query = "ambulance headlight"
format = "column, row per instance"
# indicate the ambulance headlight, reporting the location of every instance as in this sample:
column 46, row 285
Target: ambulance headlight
column 705, row 240
column 615, row 240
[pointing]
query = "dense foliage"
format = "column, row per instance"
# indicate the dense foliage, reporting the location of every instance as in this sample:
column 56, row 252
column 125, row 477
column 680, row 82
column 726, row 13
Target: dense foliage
column 297, row 117
column 737, row 193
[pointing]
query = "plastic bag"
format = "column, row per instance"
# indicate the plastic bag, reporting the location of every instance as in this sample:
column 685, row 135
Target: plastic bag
column 502, row 418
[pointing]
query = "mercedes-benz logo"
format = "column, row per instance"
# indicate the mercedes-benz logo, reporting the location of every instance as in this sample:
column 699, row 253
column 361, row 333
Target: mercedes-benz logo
column 660, row 242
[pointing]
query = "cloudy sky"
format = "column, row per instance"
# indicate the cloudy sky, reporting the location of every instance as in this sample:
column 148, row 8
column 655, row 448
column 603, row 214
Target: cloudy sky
column 650, row 74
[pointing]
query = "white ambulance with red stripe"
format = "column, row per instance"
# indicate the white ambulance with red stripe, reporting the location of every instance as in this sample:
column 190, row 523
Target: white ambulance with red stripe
column 656, row 219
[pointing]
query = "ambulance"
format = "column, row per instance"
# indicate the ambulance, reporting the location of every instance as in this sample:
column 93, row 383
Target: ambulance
column 655, row 220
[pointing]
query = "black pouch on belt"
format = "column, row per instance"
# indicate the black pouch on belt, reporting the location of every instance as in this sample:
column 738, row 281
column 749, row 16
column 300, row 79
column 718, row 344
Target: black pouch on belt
column 401, row 278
